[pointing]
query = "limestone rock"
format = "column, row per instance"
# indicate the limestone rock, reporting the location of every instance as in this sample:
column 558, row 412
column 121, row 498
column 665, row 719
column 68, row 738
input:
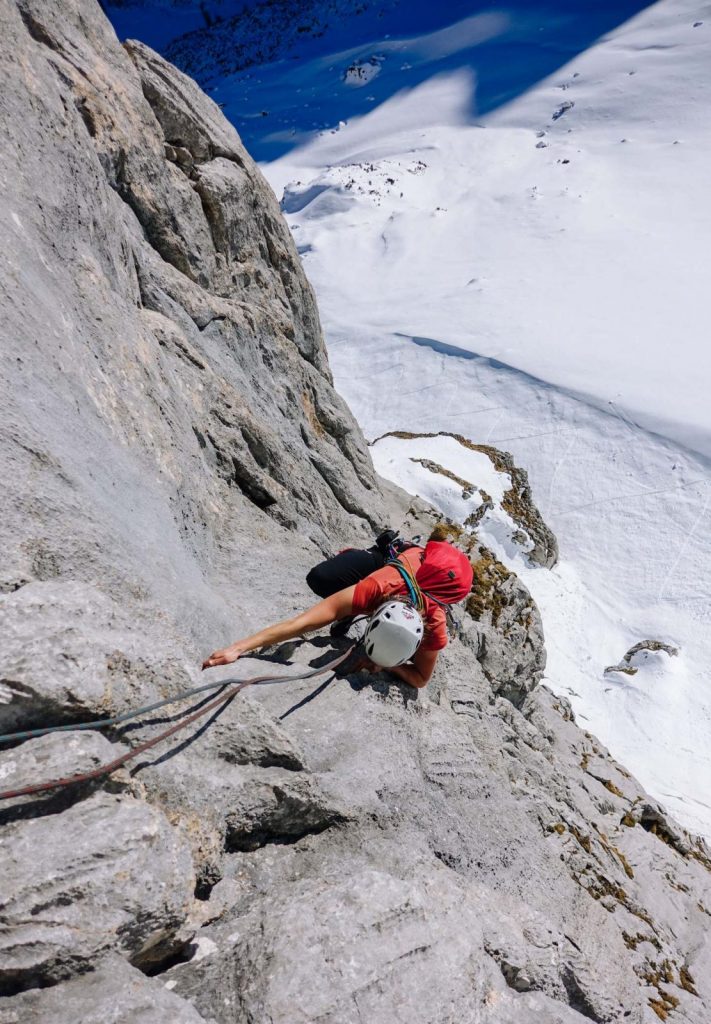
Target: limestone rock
column 180, row 403
column 71, row 653
column 107, row 874
column 56, row 756
column 503, row 626
column 245, row 734
column 223, row 808
column 112, row 993
column 360, row 948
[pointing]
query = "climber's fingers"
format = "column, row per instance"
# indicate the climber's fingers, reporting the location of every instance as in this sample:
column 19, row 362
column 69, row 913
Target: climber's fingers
column 366, row 665
column 223, row 657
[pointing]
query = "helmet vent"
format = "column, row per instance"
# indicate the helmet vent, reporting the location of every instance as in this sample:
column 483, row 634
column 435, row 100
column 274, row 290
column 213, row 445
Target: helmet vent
column 387, row 615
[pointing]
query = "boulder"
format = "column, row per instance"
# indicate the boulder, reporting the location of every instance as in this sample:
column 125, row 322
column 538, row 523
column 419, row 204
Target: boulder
column 109, row 873
column 71, row 653
column 112, row 992
column 57, row 756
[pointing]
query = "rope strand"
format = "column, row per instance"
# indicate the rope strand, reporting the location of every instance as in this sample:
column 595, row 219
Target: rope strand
column 233, row 690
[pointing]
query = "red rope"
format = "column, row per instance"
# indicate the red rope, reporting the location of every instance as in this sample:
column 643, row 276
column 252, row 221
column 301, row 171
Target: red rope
column 106, row 769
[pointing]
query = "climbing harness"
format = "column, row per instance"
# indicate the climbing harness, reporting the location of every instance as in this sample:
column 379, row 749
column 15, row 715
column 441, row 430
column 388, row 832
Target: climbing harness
column 233, row 688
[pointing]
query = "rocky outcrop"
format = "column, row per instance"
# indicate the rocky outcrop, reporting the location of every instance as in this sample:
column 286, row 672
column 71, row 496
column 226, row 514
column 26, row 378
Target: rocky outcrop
column 174, row 459
column 115, row 992
column 528, row 530
column 645, row 647
column 503, row 628
column 111, row 875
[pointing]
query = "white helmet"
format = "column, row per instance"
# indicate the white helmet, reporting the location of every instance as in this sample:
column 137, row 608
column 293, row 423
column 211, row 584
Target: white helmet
column 394, row 633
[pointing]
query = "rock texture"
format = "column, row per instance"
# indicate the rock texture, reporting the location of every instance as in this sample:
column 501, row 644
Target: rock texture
column 174, row 458
column 114, row 993
column 111, row 874
column 166, row 392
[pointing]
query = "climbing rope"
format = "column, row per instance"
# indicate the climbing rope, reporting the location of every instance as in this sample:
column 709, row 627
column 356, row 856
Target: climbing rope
column 101, row 723
column 413, row 587
column 221, row 701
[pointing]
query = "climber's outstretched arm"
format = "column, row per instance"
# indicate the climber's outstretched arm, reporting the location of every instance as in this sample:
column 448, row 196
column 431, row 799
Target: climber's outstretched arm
column 419, row 671
column 338, row 606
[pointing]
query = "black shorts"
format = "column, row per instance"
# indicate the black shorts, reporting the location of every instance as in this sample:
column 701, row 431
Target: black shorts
column 344, row 570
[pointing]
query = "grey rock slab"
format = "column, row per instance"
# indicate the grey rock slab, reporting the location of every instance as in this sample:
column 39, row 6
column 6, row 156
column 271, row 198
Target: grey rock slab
column 246, row 734
column 109, row 873
column 175, row 391
column 69, row 652
column 361, row 943
column 47, row 664
column 505, row 801
column 53, row 757
column 221, row 806
column 112, row 992
column 366, row 947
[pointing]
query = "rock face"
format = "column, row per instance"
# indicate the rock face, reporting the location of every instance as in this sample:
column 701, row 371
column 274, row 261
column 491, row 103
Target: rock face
column 167, row 393
column 174, row 459
column 115, row 993
column 113, row 875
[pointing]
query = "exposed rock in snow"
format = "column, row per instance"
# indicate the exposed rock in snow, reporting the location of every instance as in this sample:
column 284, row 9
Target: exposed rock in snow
column 476, row 469
column 361, row 72
column 640, row 654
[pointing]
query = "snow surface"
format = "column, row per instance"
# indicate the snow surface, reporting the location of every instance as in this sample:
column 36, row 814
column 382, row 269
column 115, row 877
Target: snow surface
column 525, row 262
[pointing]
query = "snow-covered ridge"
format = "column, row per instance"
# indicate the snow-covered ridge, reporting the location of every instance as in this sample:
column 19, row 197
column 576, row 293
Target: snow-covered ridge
column 498, row 505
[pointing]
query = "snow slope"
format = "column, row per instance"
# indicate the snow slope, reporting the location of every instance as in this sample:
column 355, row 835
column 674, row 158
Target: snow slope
column 533, row 274
column 283, row 69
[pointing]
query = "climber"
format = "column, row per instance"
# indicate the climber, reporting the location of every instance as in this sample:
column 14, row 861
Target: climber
column 404, row 599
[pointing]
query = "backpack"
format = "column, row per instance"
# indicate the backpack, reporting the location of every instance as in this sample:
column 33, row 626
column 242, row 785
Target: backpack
column 446, row 574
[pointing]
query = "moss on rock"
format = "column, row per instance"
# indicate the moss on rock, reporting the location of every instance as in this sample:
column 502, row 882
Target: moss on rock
column 487, row 594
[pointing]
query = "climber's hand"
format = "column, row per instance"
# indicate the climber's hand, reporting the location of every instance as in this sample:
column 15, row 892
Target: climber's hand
column 366, row 665
column 224, row 657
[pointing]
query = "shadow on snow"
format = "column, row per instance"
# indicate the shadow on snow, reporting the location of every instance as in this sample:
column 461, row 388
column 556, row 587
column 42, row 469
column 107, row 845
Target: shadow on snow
column 283, row 70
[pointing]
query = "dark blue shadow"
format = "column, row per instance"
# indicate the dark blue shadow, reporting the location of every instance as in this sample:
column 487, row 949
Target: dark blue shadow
column 279, row 67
